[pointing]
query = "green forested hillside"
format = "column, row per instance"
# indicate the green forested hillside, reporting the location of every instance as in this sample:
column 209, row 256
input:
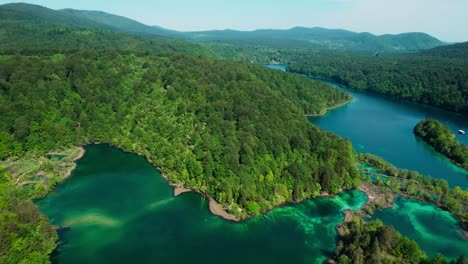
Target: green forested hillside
column 121, row 24
column 39, row 16
column 64, row 38
column 440, row 82
column 235, row 131
column 24, row 26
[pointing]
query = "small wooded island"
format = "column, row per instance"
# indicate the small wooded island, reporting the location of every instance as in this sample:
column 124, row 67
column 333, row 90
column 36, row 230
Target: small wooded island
column 442, row 139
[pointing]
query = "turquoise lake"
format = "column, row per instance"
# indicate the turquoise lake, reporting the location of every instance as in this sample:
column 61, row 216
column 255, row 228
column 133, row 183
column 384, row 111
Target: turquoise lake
column 384, row 127
column 120, row 210
column 435, row 230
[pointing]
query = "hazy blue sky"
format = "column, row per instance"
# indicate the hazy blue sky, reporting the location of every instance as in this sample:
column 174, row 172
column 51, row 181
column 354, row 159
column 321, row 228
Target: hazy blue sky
column 444, row 19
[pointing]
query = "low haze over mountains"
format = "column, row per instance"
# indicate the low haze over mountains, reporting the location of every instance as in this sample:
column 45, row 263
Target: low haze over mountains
column 298, row 37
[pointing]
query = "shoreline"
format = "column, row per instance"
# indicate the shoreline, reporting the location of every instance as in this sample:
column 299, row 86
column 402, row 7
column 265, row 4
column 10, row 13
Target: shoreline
column 81, row 153
column 218, row 210
column 374, row 196
column 325, row 111
column 214, row 207
column 445, row 156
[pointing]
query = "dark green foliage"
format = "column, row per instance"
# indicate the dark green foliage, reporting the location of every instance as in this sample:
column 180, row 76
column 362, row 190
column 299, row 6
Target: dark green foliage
column 442, row 139
column 42, row 17
column 439, row 82
column 375, row 243
column 27, row 27
column 25, row 235
column 235, row 131
column 456, row 51
column 119, row 23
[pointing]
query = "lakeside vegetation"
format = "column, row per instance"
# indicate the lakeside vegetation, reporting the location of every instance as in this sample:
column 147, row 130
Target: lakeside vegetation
column 414, row 185
column 430, row 80
column 443, row 140
column 26, row 235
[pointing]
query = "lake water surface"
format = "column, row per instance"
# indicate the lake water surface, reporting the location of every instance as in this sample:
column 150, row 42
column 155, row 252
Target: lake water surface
column 384, row 127
column 120, row 210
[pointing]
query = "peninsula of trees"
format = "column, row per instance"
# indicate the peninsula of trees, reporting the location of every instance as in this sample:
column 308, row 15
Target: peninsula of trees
column 442, row 139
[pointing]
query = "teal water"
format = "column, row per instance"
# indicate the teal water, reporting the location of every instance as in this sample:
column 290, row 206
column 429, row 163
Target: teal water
column 281, row 67
column 433, row 229
column 384, row 127
column 120, row 210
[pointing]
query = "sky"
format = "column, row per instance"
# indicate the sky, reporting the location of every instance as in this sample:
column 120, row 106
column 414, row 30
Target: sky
column 444, row 19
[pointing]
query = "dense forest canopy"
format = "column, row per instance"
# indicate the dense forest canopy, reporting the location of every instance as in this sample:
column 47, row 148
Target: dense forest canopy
column 435, row 81
column 236, row 131
column 442, row 139
column 457, row 51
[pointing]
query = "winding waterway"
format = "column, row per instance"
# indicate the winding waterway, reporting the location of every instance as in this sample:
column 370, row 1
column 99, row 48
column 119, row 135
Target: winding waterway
column 384, row 127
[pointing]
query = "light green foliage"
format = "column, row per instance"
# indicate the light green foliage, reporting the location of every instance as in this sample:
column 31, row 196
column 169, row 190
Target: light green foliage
column 252, row 208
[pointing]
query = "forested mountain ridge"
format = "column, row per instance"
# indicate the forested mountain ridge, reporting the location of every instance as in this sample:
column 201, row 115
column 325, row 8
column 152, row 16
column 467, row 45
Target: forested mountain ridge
column 40, row 16
column 25, row 26
column 121, row 24
column 335, row 39
column 298, row 37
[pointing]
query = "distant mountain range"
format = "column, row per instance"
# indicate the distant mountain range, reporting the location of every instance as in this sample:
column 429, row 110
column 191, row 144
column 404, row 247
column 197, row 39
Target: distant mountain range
column 338, row 39
column 14, row 15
